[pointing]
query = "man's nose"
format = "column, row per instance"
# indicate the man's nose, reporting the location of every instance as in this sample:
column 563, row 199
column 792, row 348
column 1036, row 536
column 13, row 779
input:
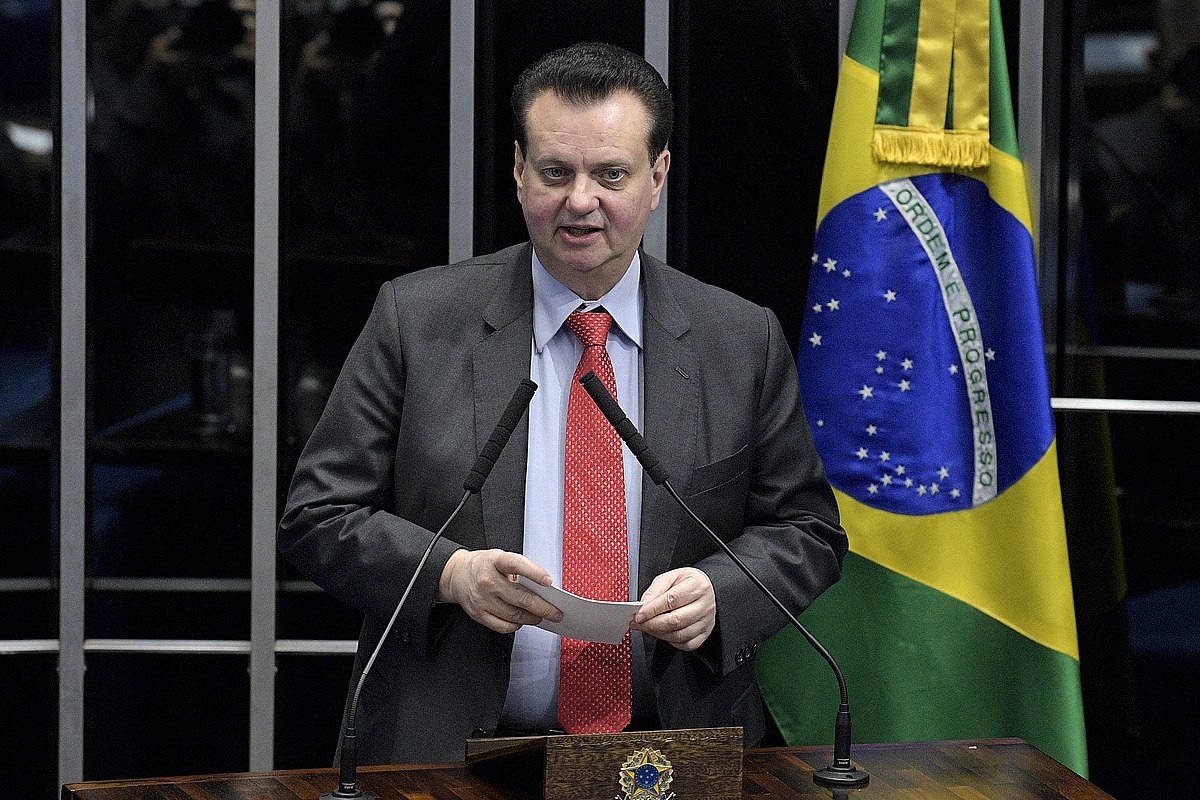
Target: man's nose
column 583, row 198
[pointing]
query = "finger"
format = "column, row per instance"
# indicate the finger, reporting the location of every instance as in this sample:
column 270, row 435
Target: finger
column 533, row 604
column 656, row 599
column 687, row 637
column 517, row 564
column 682, row 590
column 492, row 608
column 494, row 623
column 667, row 623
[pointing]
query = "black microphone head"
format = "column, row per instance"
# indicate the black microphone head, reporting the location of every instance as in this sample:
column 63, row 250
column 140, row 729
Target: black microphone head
column 504, row 428
column 604, row 401
column 624, row 427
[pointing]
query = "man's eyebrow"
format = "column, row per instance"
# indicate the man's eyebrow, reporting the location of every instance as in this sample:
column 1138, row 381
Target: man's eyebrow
column 548, row 161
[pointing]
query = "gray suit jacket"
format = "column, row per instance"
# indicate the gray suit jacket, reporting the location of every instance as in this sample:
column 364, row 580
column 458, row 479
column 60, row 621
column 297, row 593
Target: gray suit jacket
column 418, row 396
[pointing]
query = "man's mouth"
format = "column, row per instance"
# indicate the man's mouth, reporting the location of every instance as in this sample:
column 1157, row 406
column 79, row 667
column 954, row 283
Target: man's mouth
column 573, row 230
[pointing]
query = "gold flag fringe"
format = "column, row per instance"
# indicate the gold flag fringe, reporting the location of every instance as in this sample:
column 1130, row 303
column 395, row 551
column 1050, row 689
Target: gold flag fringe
column 962, row 149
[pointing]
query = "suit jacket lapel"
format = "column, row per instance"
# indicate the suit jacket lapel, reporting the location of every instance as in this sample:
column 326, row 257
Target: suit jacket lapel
column 500, row 361
column 671, row 396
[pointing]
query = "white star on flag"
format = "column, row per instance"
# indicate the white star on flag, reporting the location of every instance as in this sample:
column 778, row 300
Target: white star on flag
column 866, row 391
column 815, row 339
column 904, row 386
column 889, row 295
column 830, row 264
column 833, row 304
column 880, row 214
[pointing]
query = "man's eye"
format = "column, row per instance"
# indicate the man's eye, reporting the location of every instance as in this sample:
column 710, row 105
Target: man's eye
column 612, row 175
column 554, row 173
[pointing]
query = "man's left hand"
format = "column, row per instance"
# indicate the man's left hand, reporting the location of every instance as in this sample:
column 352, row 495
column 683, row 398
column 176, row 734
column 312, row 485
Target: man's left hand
column 679, row 607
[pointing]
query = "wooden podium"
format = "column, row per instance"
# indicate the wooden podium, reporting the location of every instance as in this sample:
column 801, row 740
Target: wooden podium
column 986, row 769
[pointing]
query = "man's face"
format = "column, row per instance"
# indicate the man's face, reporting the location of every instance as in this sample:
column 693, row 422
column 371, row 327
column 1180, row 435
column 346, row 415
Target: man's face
column 587, row 187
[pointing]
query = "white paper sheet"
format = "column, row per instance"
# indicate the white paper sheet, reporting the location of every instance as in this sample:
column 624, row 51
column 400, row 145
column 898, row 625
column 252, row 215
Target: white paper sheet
column 583, row 619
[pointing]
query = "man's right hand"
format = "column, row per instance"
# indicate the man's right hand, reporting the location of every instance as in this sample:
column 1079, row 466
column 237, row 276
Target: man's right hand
column 484, row 583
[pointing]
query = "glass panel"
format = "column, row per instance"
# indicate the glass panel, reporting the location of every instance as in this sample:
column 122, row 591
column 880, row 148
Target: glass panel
column 1139, row 285
column 315, row 615
column 1135, row 293
column 28, row 724
column 169, row 287
column 746, row 178
column 28, row 313
column 155, row 517
column 154, row 611
column 151, row 715
column 169, row 308
column 29, row 301
column 308, row 711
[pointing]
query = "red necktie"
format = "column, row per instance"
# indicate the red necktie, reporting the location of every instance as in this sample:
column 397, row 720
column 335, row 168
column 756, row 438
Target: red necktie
column 594, row 681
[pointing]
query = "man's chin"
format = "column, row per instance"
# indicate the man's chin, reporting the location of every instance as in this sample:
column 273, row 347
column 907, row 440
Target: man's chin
column 584, row 276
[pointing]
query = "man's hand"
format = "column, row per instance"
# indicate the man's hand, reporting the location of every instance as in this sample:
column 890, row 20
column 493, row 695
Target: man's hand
column 484, row 583
column 679, row 607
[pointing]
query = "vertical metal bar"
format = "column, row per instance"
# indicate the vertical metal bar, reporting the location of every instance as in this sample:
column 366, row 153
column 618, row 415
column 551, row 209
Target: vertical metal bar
column 845, row 18
column 1041, row 96
column 462, row 129
column 657, row 52
column 680, row 64
column 72, row 444
column 264, row 438
column 1029, row 102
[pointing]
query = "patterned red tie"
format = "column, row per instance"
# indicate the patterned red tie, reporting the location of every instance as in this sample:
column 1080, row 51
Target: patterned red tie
column 594, row 681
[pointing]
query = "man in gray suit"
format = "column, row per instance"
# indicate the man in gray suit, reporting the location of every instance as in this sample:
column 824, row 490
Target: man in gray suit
column 707, row 376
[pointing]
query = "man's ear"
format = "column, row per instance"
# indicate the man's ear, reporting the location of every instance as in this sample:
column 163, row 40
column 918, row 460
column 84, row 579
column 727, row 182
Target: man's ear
column 658, row 176
column 518, row 168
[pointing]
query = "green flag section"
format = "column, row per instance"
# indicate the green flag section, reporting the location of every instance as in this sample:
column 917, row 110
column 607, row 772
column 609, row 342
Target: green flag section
column 946, row 664
column 922, row 367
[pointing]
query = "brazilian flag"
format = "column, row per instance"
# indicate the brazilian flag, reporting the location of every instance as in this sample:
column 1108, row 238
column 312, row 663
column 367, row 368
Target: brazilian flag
column 924, row 377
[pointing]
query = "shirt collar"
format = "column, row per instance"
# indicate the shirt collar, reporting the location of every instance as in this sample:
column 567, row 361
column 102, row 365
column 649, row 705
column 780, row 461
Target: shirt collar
column 553, row 303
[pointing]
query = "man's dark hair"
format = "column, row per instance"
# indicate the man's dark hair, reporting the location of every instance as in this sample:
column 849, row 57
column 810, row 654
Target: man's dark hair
column 588, row 73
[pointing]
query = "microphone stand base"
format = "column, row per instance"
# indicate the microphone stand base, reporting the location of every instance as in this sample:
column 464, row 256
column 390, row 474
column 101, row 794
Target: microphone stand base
column 340, row 794
column 838, row 776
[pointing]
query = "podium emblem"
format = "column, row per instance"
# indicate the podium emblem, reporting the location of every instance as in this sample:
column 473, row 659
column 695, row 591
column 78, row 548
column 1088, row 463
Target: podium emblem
column 646, row 775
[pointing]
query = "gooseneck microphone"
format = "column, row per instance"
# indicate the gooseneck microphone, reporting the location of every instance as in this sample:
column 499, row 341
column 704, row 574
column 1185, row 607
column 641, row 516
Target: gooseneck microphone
column 841, row 772
column 348, row 755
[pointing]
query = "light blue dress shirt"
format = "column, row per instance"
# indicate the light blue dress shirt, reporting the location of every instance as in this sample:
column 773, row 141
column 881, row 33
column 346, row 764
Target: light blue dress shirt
column 532, row 700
